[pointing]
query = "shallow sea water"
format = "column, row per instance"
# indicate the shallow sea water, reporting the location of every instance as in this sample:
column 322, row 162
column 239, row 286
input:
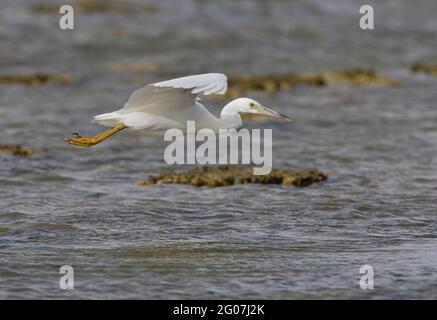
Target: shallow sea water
column 81, row 207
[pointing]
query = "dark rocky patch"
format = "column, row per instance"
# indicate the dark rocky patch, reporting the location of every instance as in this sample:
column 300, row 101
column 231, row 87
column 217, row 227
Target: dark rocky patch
column 16, row 149
column 96, row 6
column 36, row 79
column 424, row 68
column 229, row 175
column 272, row 83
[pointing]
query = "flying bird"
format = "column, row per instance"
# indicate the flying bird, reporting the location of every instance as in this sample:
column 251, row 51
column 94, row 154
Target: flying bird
column 170, row 104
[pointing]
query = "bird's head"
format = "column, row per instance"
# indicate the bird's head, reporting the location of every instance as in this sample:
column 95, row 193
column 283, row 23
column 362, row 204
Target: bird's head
column 250, row 107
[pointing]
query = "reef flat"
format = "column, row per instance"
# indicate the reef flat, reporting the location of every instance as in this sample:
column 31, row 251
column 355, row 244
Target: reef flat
column 96, row 6
column 34, row 80
column 228, row 175
column 419, row 67
column 133, row 68
column 16, row 149
column 238, row 85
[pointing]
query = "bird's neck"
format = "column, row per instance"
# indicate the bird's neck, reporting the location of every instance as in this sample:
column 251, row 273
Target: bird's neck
column 230, row 118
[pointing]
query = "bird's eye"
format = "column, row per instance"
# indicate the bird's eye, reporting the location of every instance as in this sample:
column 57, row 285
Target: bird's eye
column 252, row 105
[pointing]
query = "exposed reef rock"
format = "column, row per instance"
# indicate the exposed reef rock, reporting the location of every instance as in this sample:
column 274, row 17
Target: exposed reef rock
column 134, row 68
column 424, row 68
column 229, row 175
column 16, row 149
column 356, row 77
column 96, row 6
column 36, row 79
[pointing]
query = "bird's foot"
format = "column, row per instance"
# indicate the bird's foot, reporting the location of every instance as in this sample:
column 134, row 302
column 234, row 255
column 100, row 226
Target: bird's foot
column 90, row 141
column 82, row 141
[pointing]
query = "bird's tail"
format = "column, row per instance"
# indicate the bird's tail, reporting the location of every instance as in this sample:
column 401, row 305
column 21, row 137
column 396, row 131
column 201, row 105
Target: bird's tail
column 107, row 119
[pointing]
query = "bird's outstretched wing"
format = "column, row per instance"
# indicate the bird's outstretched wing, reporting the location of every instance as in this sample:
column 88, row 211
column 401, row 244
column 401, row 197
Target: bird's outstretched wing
column 176, row 94
column 167, row 104
column 208, row 83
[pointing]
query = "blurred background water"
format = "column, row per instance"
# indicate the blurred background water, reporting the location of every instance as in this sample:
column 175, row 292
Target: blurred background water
column 81, row 207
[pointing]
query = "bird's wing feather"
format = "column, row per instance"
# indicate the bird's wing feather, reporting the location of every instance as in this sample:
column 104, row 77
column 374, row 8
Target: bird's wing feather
column 156, row 99
column 208, row 83
column 167, row 97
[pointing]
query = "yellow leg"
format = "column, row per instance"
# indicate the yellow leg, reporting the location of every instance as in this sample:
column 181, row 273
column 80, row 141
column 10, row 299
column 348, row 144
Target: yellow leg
column 90, row 141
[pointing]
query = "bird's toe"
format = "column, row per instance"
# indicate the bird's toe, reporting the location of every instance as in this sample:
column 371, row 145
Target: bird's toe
column 79, row 142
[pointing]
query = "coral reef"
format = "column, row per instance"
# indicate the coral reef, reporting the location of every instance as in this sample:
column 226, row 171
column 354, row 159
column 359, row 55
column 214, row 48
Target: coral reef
column 356, row 77
column 36, row 79
column 16, row 149
column 134, row 68
column 229, row 175
column 96, row 6
column 424, row 68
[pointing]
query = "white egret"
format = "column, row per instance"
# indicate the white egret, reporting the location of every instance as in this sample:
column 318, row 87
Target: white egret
column 170, row 104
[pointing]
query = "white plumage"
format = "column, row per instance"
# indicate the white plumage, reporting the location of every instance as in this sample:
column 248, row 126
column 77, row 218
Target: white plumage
column 170, row 104
column 209, row 83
